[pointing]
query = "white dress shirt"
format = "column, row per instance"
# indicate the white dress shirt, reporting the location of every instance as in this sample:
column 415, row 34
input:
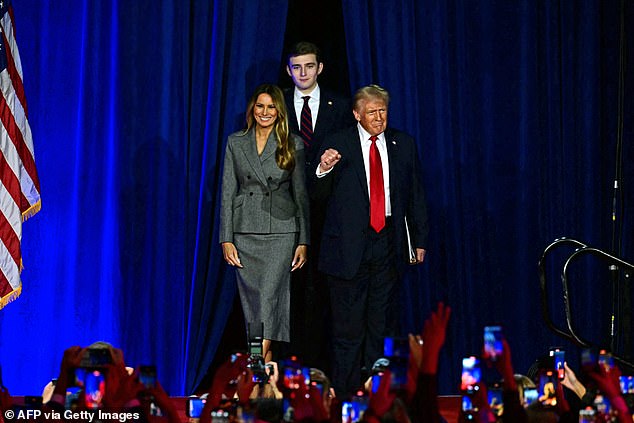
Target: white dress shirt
column 364, row 138
column 313, row 103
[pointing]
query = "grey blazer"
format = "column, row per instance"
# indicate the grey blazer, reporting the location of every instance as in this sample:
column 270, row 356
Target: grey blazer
column 257, row 196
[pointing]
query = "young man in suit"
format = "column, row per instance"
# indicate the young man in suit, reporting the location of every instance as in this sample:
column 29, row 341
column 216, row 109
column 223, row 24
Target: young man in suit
column 313, row 113
column 329, row 112
column 369, row 176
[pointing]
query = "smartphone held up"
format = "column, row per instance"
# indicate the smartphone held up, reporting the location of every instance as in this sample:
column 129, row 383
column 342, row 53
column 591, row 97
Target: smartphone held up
column 493, row 346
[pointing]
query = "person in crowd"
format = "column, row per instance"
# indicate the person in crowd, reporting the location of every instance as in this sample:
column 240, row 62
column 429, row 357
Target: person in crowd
column 123, row 393
column 264, row 218
column 513, row 404
column 314, row 111
column 419, row 400
column 370, row 178
column 328, row 395
column 268, row 389
column 47, row 392
column 606, row 381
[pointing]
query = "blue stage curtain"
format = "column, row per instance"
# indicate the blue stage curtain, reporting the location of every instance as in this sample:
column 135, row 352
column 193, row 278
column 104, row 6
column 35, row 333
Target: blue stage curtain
column 130, row 104
column 514, row 106
column 242, row 49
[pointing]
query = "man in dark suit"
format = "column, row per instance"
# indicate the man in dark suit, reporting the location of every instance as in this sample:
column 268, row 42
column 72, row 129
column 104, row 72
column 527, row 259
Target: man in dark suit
column 313, row 113
column 376, row 223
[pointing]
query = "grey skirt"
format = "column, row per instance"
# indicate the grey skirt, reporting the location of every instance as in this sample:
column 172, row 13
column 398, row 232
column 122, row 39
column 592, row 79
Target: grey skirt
column 264, row 281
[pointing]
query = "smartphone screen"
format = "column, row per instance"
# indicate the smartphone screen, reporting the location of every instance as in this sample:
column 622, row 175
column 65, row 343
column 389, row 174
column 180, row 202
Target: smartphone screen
column 359, row 405
column 606, row 360
column 72, row 397
column 495, row 401
column 398, row 368
column 493, row 342
column 530, row 396
column 467, row 404
column 470, row 373
column 346, row 412
column 295, row 376
column 547, row 388
column 602, row 404
column 94, row 388
column 558, row 356
column 627, row 384
column 396, row 350
column 376, row 382
column 194, row 407
column 395, row 347
column 147, row 376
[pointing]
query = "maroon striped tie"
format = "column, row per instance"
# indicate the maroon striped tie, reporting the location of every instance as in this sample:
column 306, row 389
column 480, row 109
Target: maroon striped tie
column 306, row 128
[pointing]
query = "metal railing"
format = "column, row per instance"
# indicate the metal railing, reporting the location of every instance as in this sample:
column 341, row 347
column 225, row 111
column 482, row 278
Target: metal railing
column 580, row 249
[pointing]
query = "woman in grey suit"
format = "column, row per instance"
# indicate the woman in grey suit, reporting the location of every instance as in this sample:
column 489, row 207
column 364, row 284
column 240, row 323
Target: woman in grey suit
column 264, row 212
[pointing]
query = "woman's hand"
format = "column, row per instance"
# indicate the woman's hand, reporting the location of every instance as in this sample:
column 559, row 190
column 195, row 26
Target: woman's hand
column 301, row 254
column 230, row 254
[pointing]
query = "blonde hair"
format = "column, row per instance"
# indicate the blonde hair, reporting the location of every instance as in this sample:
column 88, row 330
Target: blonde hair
column 285, row 152
column 372, row 91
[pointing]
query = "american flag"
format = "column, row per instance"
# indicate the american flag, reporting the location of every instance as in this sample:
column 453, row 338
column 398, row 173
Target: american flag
column 19, row 184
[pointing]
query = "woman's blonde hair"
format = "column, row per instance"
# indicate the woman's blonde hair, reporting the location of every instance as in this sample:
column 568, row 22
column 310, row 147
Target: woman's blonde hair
column 285, row 152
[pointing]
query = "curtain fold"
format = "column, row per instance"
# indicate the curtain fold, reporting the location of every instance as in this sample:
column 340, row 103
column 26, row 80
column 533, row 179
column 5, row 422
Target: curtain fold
column 130, row 106
column 513, row 107
column 245, row 43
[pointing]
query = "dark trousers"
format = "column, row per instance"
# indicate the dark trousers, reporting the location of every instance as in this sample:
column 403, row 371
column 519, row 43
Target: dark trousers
column 310, row 305
column 363, row 312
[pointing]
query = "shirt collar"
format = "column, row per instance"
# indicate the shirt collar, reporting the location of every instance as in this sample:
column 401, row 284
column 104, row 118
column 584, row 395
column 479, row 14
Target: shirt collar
column 314, row 94
column 365, row 135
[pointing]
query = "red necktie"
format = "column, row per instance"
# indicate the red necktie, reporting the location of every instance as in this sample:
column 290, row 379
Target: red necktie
column 306, row 118
column 377, row 191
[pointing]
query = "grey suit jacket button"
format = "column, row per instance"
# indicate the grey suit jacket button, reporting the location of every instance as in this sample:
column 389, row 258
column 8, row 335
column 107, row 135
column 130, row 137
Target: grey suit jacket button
column 248, row 176
column 267, row 194
column 270, row 178
column 250, row 193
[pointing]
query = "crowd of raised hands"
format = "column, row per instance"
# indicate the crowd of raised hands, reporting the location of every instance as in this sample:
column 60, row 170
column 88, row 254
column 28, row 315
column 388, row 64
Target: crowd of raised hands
column 94, row 385
column 542, row 398
column 402, row 388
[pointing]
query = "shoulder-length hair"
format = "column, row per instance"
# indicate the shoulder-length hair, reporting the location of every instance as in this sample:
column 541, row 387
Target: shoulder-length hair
column 285, row 152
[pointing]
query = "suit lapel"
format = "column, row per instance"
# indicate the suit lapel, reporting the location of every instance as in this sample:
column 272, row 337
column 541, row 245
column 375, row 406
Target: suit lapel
column 356, row 158
column 269, row 148
column 250, row 151
column 391, row 143
column 324, row 116
column 290, row 110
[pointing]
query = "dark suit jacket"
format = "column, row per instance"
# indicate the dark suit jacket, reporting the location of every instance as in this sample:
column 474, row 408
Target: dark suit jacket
column 348, row 204
column 335, row 113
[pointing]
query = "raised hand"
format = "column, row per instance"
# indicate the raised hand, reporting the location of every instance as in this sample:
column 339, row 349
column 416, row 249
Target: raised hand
column 433, row 336
column 329, row 159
